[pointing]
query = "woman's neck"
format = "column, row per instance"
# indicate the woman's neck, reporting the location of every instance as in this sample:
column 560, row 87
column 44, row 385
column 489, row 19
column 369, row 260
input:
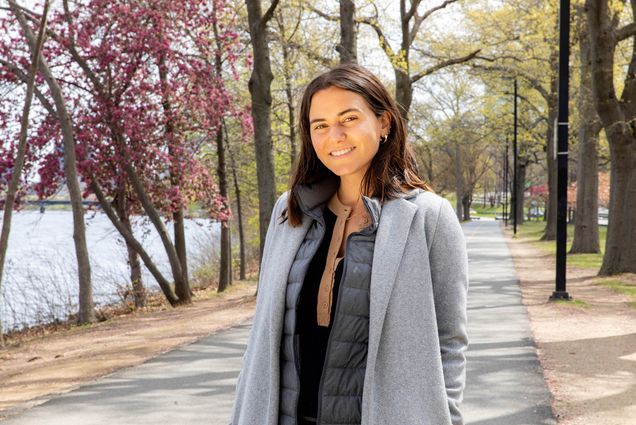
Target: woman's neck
column 349, row 191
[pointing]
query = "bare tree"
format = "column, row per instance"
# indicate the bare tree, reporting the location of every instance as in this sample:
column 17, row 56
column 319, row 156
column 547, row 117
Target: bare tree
column 348, row 32
column 287, row 49
column 225, row 271
column 239, row 204
column 586, row 237
column 617, row 117
column 19, row 157
column 86, row 306
column 411, row 22
column 260, row 90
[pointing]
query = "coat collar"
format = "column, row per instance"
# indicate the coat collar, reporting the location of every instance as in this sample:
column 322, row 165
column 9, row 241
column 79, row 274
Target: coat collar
column 313, row 197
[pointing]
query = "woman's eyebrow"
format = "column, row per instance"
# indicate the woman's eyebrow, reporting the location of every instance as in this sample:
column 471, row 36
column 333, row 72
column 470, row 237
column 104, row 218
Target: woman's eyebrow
column 339, row 114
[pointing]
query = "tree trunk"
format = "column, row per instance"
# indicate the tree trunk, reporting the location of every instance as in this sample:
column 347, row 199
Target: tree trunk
column 586, row 237
column 460, row 184
column 239, row 210
column 139, row 292
column 348, row 34
column 181, row 284
column 520, row 189
column 130, row 239
column 403, row 91
column 224, row 271
column 620, row 246
column 153, row 215
column 20, row 154
column 86, row 312
column 288, row 67
column 615, row 116
column 291, row 114
column 260, row 91
column 549, row 234
column 467, row 200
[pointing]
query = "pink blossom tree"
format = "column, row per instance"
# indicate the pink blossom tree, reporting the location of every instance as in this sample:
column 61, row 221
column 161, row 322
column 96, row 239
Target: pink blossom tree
column 144, row 98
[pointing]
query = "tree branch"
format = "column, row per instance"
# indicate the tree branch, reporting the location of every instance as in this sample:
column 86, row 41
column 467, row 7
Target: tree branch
column 534, row 83
column 436, row 8
column 19, row 159
column 627, row 31
column 384, row 43
column 408, row 15
column 420, row 19
column 268, row 15
column 310, row 53
column 23, row 77
column 323, row 14
column 444, row 64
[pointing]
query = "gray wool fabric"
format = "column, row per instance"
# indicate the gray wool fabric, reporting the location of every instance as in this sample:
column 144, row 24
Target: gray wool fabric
column 415, row 372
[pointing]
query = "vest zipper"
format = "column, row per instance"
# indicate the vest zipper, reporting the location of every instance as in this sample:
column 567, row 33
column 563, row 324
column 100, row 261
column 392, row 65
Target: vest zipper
column 335, row 317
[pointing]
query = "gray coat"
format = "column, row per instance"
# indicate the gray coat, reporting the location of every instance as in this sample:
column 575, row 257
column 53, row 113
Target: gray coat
column 415, row 372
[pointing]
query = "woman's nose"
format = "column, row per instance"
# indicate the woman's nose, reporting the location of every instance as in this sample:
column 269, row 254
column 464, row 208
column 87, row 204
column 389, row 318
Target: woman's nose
column 336, row 133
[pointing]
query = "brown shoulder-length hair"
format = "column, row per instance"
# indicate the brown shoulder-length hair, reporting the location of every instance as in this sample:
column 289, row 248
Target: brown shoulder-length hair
column 393, row 169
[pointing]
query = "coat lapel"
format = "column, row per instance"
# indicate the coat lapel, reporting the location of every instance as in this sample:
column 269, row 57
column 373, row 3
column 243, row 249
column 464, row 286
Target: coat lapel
column 392, row 233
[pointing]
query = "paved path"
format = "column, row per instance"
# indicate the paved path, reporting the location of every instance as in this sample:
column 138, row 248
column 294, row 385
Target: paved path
column 193, row 385
column 504, row 381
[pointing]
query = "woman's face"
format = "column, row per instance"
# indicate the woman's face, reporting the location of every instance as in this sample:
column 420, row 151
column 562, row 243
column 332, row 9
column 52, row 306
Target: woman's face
column 345, row 133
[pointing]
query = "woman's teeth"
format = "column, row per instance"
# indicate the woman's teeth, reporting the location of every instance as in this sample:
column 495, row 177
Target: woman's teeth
column 341, row 152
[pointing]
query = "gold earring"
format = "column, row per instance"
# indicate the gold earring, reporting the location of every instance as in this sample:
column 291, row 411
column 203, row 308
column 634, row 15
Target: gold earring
column 384, row 138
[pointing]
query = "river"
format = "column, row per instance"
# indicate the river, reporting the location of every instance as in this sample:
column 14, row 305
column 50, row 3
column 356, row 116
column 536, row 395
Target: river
column 40, row 277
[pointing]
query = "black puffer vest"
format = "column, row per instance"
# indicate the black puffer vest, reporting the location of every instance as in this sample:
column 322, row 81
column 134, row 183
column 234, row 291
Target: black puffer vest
column 342, row 379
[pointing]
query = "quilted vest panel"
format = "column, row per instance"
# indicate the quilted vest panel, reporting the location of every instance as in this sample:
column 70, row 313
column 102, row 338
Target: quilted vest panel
column 290, row 368
column 342, row 382
column 343, row 377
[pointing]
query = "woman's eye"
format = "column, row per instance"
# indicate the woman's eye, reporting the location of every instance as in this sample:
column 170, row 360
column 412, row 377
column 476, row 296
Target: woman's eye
column 347, row 119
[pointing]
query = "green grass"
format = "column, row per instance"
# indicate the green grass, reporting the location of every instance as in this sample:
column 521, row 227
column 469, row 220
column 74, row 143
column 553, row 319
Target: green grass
column 533, row 230
column 621, row 287
column 573, row 303
column 487, row 211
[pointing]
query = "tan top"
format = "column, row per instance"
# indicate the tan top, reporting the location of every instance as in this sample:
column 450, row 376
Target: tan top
column 343, row 227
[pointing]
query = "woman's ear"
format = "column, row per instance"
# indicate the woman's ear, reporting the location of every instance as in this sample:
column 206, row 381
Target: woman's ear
column 385, row 121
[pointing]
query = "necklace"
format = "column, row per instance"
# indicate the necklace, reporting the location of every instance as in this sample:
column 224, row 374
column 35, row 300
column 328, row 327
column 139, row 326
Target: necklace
column 362, row 213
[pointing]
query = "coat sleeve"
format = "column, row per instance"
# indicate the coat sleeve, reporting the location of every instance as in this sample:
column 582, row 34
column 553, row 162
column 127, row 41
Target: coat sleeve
column 449, row 272
column 262, row 288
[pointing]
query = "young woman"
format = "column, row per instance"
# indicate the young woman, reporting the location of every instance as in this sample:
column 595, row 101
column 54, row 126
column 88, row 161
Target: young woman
column 361, row 310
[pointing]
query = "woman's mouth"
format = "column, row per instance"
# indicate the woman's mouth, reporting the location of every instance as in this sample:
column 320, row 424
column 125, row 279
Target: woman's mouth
column 342, row 152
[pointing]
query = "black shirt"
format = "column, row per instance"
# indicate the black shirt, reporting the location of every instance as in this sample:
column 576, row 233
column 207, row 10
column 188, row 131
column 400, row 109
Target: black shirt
column 313, row 338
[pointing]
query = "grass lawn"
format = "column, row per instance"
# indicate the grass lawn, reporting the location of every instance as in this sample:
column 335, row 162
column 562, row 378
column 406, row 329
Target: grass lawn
column 532, row 232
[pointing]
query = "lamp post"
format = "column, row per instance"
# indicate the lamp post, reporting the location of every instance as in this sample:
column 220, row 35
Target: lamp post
column 505, row 185
column 560, row 292
column 515, row 194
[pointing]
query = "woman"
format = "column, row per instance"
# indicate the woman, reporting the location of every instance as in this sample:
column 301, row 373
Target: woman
column 361, row 310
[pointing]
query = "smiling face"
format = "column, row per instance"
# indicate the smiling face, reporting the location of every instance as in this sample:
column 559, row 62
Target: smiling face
column 345, row 133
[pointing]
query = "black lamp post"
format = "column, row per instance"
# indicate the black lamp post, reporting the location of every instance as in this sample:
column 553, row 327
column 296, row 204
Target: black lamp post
column 505, row 185
column 515, row 194
column 562, row 152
